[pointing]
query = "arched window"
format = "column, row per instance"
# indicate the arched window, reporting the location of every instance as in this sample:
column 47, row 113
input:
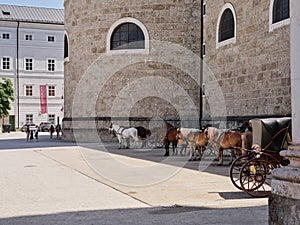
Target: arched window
column 281, row 10
column 226, row 27
column 127, row 36
column 66, row 47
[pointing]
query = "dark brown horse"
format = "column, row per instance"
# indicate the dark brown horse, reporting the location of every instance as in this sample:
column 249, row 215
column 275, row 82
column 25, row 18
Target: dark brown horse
column 171, row 137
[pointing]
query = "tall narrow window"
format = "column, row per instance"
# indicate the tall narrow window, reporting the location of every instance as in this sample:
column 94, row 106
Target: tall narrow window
column 281, row 10
column 127, row 36
column 66, row 48
column 51, row 90
column 28, row 90
column 226, row 27
column 6, row 63
column 28, row 64
column 51, row 64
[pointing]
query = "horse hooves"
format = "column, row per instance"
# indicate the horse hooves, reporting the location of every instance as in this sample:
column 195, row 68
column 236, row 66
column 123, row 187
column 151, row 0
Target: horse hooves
column 220, row 164
column 127, row 147
column 190, row 160
column 166, row 154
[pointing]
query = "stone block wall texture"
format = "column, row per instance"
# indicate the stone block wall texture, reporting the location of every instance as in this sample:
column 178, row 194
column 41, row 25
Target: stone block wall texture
column 87, row 24
column 254, row 72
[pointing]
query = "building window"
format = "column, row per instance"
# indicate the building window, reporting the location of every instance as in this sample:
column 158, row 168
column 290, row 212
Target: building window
column 29, row 118
column 127, row 36
column 281, row 10
column 66, row 47
column 28, row 37
column 51, row 38
column 5, row 36
column 279, row 14
column 51, row 64
column 226, row 26
column 51, row 118
column 226, row 30
column 6, row 63
column 28, row 90
column 28, row 64
column 51, row 90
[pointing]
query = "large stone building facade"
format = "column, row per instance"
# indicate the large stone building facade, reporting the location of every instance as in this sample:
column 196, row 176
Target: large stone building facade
column 246, row 73
column 252, row 67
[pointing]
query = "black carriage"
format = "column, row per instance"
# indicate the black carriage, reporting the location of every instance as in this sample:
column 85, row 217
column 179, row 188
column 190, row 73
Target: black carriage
column 252, row 172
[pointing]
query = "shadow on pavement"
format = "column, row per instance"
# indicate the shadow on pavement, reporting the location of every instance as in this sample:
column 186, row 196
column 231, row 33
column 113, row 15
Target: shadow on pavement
column 159, row 215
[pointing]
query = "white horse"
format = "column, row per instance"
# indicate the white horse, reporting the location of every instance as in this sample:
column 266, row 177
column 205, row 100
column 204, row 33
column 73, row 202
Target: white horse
column 189, row 136
column 124, row 135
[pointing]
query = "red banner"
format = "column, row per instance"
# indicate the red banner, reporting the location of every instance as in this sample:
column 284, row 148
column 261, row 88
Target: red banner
column 43, row 98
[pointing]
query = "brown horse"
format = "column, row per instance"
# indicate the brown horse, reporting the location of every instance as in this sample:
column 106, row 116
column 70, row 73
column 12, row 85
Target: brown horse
column 224, row 139
column 171, row 137
column 195, row 139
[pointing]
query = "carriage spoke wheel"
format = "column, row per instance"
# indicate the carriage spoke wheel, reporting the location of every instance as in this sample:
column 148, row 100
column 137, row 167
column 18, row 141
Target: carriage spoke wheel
column 255, row 177
column 235, row 169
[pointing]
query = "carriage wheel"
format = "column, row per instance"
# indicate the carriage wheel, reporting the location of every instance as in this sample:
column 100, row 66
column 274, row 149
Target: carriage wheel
column 236, row 167
column 255, row 177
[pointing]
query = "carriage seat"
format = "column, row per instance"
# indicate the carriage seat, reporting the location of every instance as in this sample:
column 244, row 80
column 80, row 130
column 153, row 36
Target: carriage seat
column 266, row 133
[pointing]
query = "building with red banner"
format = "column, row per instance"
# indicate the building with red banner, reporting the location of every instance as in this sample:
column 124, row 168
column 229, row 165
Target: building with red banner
column 32, row 56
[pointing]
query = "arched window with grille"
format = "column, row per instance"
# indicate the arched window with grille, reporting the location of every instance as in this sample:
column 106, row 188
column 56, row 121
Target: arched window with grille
column 127, row 35
column 281, row 10
column 226, row 30
column 279, row 14
column 66, row 47
column 226, row 26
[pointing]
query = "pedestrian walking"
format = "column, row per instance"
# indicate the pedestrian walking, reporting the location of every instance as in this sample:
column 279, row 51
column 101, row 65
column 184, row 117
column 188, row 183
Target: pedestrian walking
column 36, row 133
column 51, row 130
column 27, row 133
column 58, row 129
column 31, row 136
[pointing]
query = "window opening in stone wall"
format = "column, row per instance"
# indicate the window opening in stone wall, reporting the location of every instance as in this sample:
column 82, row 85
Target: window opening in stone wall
column 281, row 10
column 127, row 36
column 226, row 30
column 66, row 47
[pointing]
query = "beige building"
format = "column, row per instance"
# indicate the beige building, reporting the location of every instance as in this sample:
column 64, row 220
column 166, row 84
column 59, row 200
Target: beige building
column 138, row 62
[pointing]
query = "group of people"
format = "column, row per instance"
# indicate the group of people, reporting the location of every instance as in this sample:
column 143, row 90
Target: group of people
column 33, row 132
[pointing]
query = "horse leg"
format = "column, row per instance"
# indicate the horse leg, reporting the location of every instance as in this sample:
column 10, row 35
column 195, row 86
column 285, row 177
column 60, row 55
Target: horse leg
column 220, row 156
column 191, row 152
column 167, row 149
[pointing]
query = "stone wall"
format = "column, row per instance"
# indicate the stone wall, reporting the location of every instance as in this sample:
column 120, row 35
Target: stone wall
column 87, row 24
column 249, row 78
column 254, row 72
